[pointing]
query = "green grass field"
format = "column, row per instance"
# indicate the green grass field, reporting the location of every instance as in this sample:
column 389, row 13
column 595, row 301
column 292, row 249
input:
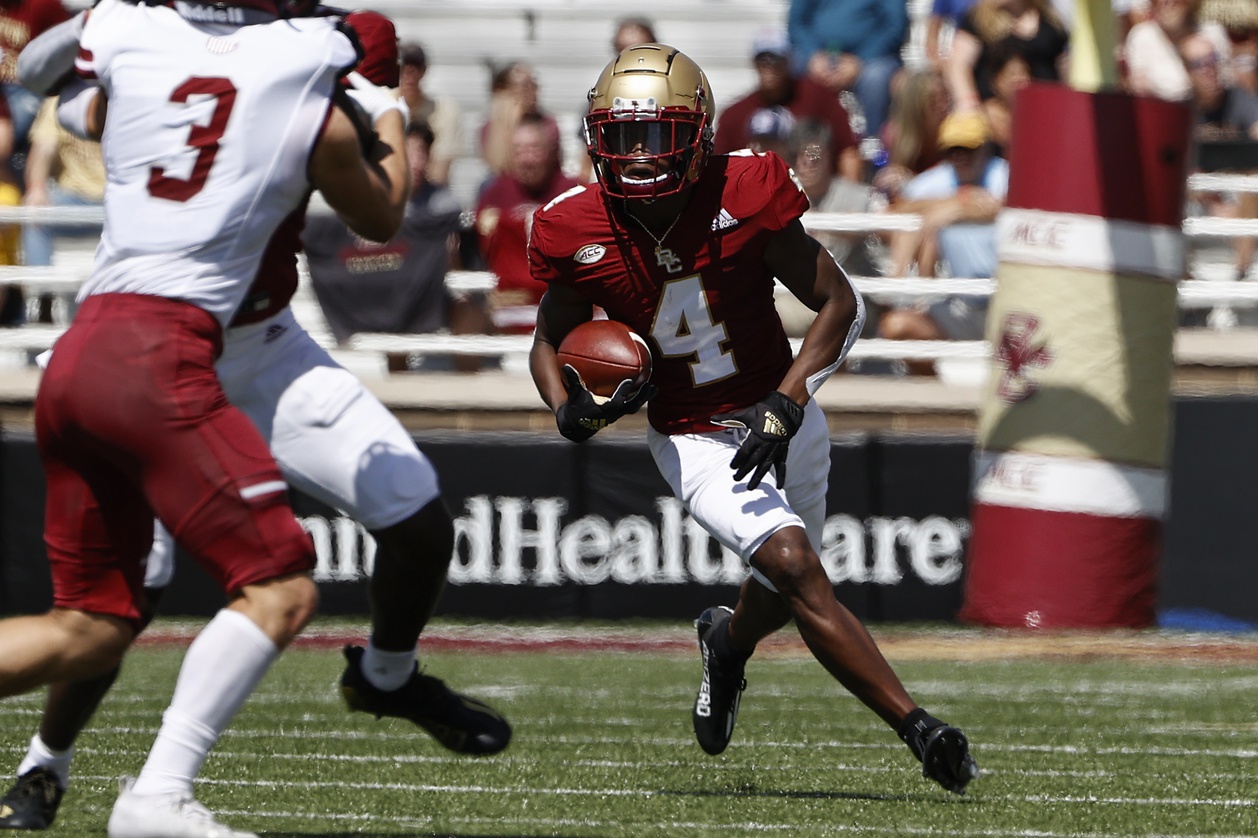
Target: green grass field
column 1092, row 741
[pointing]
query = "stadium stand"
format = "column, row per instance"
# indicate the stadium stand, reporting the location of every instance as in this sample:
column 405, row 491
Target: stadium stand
column 567, row 41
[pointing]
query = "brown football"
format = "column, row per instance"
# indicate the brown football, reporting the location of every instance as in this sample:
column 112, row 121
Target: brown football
column 605, row 353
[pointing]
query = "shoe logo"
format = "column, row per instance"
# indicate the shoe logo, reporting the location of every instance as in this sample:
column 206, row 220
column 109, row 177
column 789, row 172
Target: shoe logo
column 723, row 221
column 589, row 254
column 703, row 702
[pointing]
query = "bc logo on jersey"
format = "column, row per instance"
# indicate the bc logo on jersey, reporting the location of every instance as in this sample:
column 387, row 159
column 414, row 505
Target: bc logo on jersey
column 589, row 254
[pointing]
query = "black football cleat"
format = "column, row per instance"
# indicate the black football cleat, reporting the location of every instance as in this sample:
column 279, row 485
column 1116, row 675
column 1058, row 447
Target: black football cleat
column 716, row 705
column 460, row 723
column 32, row 802
column 943, row 750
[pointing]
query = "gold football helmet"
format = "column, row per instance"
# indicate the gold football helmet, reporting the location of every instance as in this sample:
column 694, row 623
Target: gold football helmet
column 650, row 122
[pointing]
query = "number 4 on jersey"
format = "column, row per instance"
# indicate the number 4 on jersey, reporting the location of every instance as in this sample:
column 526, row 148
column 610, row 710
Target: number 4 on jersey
column 684, row 328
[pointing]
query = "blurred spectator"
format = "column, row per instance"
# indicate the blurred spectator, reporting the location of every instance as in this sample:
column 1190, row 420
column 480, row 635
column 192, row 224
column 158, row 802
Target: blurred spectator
column 958, row 201
column 629, row 32
column 443, row 115
column 62, row 170
column 20, row 21
column 800, row 96
column 1224, row 112
column 810, row 153
column 504, row 216
column 911, row 136
column 1009, row 73
column 941, row 23
column 398, row 286
column 1127, row 13
column 632, row 31
column 1031, row 27
column 769, row 129
column 1239, row 18
column 513, row 96
column 851, row 45
column 1151, row 53
column 12, row 300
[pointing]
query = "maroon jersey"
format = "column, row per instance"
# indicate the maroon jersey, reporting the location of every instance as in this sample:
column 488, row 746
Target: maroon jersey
column 703, row 297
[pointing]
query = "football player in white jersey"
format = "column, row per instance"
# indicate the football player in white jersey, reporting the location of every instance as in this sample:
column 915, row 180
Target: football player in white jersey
column 130, row 418
column 336, row 442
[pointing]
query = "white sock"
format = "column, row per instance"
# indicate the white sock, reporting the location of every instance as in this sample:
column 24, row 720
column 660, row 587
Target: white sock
column 39, row 755
column 387, row 670
column 220, row 670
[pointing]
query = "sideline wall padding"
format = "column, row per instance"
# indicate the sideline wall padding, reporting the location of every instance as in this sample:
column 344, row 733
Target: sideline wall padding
column 898, row 505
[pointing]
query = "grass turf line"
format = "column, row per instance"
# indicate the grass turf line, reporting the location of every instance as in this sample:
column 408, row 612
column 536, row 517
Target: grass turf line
column 1076, row 746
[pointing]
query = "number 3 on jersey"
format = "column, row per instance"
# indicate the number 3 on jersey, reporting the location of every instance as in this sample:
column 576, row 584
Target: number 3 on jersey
column 684, row 327
column 203, row 138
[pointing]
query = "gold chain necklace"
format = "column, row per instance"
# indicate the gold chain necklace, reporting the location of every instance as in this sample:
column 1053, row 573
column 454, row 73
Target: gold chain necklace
column 664, row 256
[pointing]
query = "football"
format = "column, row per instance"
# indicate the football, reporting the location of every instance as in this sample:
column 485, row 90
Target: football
column 605, row 353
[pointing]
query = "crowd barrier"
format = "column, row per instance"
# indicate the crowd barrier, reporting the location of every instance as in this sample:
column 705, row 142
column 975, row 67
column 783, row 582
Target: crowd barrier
column 1213, row 285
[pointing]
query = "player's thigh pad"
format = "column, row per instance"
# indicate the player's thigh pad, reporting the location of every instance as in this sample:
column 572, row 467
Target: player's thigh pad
column 697, row 468
column 332, row 438
column 132, row 385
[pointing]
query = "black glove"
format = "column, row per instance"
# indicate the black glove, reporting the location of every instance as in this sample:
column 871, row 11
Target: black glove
column 943, row 750
column 581, row 416
column 770, row 424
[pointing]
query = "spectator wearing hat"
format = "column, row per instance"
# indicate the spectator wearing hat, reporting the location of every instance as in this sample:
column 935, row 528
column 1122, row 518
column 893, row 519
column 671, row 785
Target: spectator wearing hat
column 800, row 97
column 958, row 200
column 442, row 115
column 769, row 130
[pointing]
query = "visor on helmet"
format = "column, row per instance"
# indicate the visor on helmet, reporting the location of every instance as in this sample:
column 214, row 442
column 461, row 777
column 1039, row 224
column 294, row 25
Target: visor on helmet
column 637, row 156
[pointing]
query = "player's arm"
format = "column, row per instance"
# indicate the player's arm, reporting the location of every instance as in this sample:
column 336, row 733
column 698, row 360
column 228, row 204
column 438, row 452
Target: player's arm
column 810, row 273
column 81, row 109
column 368, row 193
column 47, row 61
column 560, row 311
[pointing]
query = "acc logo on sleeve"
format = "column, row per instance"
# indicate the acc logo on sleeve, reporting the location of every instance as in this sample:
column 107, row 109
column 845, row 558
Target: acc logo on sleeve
column 589, row 254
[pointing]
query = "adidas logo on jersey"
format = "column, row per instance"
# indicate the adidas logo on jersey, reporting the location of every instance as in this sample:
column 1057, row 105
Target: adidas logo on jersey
column 724, row 221
column 274, row 331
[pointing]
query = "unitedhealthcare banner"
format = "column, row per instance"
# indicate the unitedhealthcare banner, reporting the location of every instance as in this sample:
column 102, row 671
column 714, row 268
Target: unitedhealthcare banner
column 545, row 528
column 551, row 529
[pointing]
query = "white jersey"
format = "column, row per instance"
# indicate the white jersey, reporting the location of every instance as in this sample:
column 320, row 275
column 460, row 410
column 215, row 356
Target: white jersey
column 206, row 143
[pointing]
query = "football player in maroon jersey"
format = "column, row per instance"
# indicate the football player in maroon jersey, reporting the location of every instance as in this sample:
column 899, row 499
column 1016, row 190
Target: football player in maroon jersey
column 683, row 246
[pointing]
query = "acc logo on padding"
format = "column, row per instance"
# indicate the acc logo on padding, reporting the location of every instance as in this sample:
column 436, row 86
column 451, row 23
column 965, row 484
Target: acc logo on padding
column 590, row 254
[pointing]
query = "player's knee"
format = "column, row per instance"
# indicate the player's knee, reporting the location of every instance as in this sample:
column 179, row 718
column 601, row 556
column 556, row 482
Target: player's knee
column 788, row 561
column 92, row 643
column 281, row 607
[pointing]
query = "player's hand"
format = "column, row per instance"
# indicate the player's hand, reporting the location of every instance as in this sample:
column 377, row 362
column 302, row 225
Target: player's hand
column 582, row 415
column 770, row 424
column 943, row 750
column 375, row 100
